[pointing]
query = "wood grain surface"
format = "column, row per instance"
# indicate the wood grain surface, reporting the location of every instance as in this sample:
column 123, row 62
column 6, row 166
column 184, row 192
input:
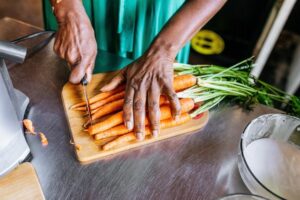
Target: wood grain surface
column 90, row 149
column 21, row 183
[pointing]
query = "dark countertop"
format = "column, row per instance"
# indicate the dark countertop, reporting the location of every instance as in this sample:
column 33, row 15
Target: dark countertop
column 196, row 166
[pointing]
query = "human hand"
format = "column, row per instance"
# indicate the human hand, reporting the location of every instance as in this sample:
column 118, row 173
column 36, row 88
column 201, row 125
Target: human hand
column 75, row 40
column 147, row 78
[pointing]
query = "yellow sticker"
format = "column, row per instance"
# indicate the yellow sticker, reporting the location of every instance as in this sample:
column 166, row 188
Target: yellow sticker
column 208, row 43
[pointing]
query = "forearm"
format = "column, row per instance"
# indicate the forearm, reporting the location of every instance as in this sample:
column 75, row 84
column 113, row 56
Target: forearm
column 191, row 17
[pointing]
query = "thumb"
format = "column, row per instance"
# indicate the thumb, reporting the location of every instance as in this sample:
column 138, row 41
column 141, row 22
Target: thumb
column 77, row 73
column 113, row 83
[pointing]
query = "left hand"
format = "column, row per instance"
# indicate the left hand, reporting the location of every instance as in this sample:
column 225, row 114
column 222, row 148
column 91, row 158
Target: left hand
column 147, row 78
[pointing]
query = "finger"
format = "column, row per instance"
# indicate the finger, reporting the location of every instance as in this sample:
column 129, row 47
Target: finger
column 128, row 107
column 115, row 82
column 90, row 69
column 72, row 55
column 153, row 108
column 173, row 99
column 139, row 112
column 78, row 71
column 57, row 42
column 62, row 47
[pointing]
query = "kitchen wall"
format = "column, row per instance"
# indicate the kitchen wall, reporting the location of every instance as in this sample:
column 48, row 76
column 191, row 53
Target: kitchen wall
column 29, row 11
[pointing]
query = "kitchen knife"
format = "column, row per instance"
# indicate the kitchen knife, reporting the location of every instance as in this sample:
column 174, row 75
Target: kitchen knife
column 84, row 83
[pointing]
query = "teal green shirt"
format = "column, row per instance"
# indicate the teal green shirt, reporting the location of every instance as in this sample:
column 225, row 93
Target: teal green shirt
column 125, row 27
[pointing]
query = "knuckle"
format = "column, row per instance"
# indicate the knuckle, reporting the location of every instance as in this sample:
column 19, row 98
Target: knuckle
column 139, row 126
column 177, row 109
column 138, row 105
column 153, row 105
column 173, row 96
column 128, row 101
column 133, row 84
column 155, row 124
column 126, row 115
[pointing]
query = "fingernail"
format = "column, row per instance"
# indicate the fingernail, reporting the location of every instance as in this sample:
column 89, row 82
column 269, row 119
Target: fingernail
column 129, row 125
column 155, row 133
column 176, row 117
column 140, row 136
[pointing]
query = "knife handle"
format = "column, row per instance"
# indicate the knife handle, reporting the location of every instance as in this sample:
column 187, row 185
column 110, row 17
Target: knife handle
column 84, row 80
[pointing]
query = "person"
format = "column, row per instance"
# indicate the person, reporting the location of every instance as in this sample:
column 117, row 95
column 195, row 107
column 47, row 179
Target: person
column 153, row 32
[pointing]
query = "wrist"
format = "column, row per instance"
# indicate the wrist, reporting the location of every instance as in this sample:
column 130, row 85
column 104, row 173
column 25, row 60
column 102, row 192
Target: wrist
column 165, row 48
column 62, row 9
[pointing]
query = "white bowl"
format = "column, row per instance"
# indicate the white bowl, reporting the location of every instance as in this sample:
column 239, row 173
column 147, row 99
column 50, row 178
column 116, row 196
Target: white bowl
column 257, row 168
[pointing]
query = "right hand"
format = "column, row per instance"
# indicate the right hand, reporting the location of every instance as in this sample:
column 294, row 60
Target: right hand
column 75, row 40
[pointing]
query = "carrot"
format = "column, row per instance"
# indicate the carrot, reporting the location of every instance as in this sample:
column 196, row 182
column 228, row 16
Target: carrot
column 116, row 119
column 97, row 104
column 180, row 83
column 43, row 138
column 92, row 112
column 113, row 107
column 121, row 129
column 99, row 97
column 114, row 97
column 82, row 108
column 29, row 126
column 131, row 136
column 183, row 82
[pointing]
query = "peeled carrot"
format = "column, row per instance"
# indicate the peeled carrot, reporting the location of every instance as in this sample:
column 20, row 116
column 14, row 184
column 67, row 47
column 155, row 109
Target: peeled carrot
column 113, row 107
column 131, row 136
column 97, row 104
column 180, row 82
column 108, row 108
column 94, row 111
column 116, row 119
column 183, row 82
column 82, row 108
column 114, row 97
column 99, row 97
column 121, row 129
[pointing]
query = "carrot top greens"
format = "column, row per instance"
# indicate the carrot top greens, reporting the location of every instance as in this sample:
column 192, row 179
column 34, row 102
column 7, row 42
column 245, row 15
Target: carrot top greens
column 217, row 83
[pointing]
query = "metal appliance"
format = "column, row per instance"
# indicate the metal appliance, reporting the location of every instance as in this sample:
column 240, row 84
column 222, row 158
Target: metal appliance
column 13, row 103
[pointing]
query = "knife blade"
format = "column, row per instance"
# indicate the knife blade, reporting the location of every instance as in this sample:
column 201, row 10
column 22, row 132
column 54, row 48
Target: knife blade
column 84, row 84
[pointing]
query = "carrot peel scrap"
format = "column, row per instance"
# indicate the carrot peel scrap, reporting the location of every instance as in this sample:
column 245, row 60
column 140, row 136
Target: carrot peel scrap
column 29, row 126
column 43, row 138
column 77, row 146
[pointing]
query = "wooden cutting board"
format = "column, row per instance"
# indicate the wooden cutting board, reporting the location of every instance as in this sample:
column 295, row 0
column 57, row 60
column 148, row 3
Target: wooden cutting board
column 90, row 150
column 21, row 183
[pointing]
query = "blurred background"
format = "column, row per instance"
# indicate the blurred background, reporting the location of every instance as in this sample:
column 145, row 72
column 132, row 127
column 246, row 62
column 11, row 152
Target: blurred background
column 267, row 29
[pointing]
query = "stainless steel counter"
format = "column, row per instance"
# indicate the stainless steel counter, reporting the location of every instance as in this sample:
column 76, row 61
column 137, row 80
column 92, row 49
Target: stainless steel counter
column 202, row 165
